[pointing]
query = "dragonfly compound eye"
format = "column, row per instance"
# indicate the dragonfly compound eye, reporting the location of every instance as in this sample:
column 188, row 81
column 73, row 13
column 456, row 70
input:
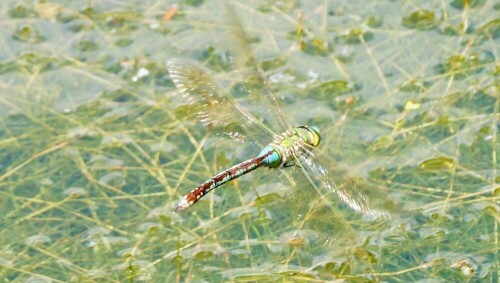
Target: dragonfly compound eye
column 313, row 135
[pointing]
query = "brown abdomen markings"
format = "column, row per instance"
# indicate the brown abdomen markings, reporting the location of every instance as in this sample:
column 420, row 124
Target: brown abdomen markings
column 220, row 179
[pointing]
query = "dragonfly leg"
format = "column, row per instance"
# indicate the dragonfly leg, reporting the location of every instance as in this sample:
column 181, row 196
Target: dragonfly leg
column 290, row 163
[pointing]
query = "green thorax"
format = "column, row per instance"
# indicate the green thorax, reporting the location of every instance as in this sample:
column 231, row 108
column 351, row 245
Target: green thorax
column 291, row 145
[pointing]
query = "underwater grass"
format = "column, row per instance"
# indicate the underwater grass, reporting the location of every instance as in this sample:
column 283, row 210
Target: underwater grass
column 96, row 146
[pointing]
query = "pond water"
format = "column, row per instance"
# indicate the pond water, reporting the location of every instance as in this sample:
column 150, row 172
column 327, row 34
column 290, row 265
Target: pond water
column 97, row 145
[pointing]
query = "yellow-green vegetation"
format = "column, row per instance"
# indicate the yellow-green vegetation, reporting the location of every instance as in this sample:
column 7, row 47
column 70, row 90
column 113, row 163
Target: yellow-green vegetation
column 97, row 146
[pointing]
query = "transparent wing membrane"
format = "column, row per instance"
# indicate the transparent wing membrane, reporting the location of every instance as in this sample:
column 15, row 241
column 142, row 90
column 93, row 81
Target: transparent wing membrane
column 213, row 106
column 357, row 193
column 255, row 82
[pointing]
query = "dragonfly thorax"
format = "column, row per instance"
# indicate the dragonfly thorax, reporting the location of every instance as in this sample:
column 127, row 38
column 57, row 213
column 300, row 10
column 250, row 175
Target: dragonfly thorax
column 289, row 146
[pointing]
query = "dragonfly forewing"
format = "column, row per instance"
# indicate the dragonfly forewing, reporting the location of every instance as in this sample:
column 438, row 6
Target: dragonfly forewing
column 213, row 106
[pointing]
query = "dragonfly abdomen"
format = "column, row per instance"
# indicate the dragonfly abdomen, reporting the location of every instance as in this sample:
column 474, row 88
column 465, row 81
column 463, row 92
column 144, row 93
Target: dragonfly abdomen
column 224, row 177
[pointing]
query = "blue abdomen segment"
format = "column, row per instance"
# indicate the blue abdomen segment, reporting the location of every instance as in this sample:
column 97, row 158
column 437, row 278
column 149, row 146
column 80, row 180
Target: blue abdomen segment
column 272, row 160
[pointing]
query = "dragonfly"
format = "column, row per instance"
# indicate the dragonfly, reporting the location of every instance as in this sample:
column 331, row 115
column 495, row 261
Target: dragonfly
column 284, row 145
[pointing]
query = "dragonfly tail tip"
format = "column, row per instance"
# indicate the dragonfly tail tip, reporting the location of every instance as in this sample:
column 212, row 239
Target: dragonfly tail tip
column 183, row 204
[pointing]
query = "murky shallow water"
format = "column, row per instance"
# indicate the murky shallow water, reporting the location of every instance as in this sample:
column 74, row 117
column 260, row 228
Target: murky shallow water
column 97, row 147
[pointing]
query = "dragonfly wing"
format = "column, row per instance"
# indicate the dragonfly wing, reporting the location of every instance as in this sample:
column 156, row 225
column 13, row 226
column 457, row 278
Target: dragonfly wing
column 218, row 108
column 213, row 106
column 256, row 85
column 360, row 195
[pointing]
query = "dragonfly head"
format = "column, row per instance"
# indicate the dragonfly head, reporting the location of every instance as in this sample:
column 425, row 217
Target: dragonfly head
column 316, row 136
column 313, row 137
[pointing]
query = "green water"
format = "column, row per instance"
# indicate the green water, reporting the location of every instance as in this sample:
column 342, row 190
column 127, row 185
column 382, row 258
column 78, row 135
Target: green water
column 96, row 145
